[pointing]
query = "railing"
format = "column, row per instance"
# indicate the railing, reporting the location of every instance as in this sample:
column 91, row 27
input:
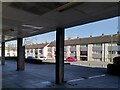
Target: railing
column 83, row 49
column 97, row 48
column 97, row 55
column 113, row 48
column 72, row 49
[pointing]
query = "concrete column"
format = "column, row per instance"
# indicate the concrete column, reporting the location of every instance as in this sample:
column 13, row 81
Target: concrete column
column 118, row 30
column 106, row 52
column 20, row 55
column 38, row 55
column 26, row 53
column 78, row 52
column 53, row 52
column 119, row 40
column 103, row 52
column 59, row 56
column 33, row 53
column 90, row 51
column 3, row 53
column 68, row 51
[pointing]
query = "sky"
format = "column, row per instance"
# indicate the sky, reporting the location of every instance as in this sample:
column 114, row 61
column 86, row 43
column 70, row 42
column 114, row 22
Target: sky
column 106, row 27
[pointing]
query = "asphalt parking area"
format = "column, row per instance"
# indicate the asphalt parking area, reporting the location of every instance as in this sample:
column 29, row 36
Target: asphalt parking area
column 43, row 76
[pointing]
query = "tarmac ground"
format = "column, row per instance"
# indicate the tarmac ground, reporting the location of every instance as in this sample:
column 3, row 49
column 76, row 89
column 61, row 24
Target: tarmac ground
column 43, row 76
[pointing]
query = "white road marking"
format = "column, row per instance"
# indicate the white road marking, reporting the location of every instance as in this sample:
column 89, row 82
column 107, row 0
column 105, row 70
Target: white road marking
column 74, row 80
column 96, row 76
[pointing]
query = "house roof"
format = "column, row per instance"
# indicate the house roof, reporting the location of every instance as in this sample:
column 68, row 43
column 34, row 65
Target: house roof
column 11, row 48
column 36, row 46
column 89, row 40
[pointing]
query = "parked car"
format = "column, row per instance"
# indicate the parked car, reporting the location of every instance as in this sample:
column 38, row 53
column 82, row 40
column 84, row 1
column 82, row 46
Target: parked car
column 71, row 59
column 30, row 57
column 42, row 58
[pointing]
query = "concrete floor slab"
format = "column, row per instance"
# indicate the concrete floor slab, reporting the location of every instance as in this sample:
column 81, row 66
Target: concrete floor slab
column 43, row 76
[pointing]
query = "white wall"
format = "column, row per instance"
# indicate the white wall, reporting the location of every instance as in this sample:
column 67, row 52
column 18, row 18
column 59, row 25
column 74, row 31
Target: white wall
column 78, row 52
column 90, row 51
column 45, row 51
column 68, row 51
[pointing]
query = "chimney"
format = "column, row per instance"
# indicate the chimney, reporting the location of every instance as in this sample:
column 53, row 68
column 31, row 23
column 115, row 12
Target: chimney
column 90, row 35
column 77, row 37
column 118, row 32
column 69, row 38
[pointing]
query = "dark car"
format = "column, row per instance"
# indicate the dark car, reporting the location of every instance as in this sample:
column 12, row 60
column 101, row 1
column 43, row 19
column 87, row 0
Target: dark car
column 30, row 57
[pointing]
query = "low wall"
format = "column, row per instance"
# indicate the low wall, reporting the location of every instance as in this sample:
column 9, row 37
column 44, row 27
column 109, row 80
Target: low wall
column 10, row 58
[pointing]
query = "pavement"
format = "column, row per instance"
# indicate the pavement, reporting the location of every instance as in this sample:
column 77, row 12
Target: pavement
column 43, row 76
column 91, row 63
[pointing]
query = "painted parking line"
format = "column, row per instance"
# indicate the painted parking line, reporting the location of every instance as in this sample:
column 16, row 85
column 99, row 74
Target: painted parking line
column 75, row 80
column 79, row 79
column 97, row 76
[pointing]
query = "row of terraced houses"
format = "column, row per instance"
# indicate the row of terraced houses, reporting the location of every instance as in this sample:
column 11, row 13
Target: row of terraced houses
column 99, row 48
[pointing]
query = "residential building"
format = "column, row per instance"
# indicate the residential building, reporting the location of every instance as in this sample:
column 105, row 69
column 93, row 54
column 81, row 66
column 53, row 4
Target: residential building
column 100, row 48
column 10, row 51
column 36, row 50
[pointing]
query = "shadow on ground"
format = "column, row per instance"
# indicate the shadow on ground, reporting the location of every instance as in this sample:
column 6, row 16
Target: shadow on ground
column 43, row 76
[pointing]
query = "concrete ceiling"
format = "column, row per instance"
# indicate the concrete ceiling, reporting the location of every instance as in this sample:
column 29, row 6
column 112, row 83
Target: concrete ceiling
column 23, row 19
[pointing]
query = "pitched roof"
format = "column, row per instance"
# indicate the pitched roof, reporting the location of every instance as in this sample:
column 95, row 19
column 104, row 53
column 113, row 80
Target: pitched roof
column 11, row 48
column 89, row 40
column 35, row 46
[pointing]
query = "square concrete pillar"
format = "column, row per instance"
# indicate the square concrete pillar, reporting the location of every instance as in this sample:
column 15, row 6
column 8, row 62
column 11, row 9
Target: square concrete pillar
column 78, row 52
column 59, row 56
column 3, row 53
column 103, row 52
column 90, row 51
column 118, row 29
column 118, row 43
column 20, row 55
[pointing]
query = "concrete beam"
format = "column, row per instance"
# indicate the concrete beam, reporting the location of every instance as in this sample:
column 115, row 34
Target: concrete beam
column 59, row 56
column 20, row 55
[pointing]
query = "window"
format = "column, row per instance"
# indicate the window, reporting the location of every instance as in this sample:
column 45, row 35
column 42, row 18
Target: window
column 49, row 49
column 97, row 59
column 97, row 52
column 97, row 44
column 8, row 54
column 113, row 44
column 36, row 51
column 13, row 54
column 72, row 51
column 31, row 50
column 83, row 53
column 83, row 45
column 35, row 56
column 112, row 52
column 40, row 51
column 27, row 50
column 65, row 49
column 72, row 48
